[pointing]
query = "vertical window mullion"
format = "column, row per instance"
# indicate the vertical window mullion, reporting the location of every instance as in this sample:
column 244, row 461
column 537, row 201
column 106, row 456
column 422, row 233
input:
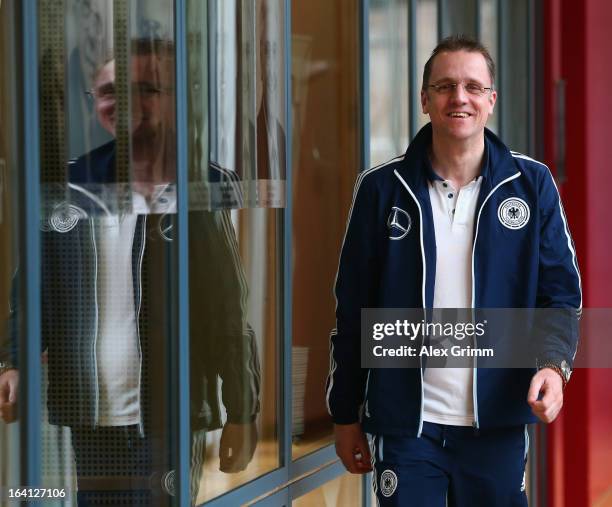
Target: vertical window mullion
column 364, row 101
column 501, row 67
column 285, row 407
column 182, row 363
column 441, row 12
column 412, row 68
column 364, row 85
column 478, row 19
column 30, row 341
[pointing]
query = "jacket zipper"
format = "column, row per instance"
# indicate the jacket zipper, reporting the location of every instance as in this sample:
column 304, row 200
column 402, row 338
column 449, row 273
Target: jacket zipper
column 365, row 395
column 96, row 323
column 140, row 258
column 474, row 368
column 420, row 430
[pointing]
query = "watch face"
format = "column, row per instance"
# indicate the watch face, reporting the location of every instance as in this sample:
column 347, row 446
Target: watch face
column 566, row 370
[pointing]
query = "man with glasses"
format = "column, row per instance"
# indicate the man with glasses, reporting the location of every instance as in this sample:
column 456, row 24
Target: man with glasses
column 459, row 221
column 108, row 258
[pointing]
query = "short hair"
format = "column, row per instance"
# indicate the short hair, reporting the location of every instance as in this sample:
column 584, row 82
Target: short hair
column 456, row 43
column 139, row 47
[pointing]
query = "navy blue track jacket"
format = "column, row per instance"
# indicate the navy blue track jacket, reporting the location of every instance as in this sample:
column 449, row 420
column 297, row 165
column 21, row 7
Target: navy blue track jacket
column 531, row 266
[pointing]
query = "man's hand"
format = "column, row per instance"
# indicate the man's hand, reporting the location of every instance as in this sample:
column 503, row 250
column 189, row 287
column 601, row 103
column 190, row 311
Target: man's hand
column 352, row 448
column 9, row 382
column 548, row 383
column 237, row 446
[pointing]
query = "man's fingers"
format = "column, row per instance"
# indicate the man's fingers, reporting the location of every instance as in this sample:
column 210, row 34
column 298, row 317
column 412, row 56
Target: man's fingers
column 354, row 461
column 362, row 456
column 549, row 396
column 12, row 392
column 348, row 461
column 4, row 393
column 9, row 382
column 534, row 390
column 546, row 413
column 365, row 451
column 361, row 459
column 228, row 463
column 352, row 448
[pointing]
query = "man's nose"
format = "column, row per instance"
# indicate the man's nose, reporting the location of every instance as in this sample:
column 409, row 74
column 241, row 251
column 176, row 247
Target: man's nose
column 458, row 94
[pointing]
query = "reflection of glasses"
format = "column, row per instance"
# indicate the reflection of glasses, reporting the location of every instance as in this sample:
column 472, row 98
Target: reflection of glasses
column 142, row 90
column 471, row 88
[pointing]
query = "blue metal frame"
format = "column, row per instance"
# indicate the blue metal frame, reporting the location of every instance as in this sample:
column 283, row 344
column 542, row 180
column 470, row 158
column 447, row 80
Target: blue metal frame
column 478, row 23
column 315, row 480
column 182, row 158
column 412, row 70
column 312, row 461
column 286, row 394
column 364, row 90
column 501, row 65
column 364, row 82
column 30, row 342
column 440, row 8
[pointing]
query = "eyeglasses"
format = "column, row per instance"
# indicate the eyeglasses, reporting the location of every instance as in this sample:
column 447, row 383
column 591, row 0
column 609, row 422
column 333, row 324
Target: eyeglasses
column 471, row 88
column 142, row 90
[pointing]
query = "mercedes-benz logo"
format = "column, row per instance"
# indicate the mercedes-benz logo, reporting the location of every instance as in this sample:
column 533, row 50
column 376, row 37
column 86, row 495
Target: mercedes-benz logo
column 398, row 223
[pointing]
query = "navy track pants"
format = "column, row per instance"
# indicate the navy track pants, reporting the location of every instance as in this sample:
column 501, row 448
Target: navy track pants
column 454, row 464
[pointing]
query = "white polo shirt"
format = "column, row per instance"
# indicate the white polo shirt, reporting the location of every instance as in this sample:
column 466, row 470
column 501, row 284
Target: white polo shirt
column 448, row 391
column 117, row 348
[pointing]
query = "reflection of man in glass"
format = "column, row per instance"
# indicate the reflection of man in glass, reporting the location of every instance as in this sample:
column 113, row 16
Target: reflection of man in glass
column 106, row 305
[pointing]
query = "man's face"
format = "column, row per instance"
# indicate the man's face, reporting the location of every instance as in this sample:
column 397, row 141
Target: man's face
column 152, row 80
column 104, row 96
column 458, row 115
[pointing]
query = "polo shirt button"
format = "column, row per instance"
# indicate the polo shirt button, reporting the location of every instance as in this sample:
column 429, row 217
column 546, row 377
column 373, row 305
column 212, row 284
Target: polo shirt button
column 450, row 196
column 445, row 184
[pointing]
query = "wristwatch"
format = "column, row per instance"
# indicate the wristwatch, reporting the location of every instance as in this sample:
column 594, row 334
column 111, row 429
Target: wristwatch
column 562, row 368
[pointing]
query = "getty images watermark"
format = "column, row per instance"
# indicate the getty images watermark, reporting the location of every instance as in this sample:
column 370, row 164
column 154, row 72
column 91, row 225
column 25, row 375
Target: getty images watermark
column 466, row 337
column 436, row 332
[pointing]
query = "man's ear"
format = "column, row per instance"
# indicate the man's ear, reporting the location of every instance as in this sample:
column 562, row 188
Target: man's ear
column 424, row 100
column 492, row 100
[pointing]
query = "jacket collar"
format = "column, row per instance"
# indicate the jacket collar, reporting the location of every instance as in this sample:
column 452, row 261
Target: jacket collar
column 416, row 168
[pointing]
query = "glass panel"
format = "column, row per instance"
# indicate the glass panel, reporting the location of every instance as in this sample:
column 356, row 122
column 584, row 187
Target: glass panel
column 459, row 17
column 237, row 161
column 9, row 228
column 489, row 36
column 235, row 312
column 389, row 91
column 326, row 132
column 426, row 40
column 108, row 171
column 343, row 490
column 514, row 88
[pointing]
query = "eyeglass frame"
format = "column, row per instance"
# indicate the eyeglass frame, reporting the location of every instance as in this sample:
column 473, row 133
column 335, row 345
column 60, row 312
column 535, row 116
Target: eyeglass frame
column 482, row 90
column 93, row 95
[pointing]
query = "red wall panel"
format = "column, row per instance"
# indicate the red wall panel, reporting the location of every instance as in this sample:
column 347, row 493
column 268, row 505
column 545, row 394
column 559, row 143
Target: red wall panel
column 578, row 49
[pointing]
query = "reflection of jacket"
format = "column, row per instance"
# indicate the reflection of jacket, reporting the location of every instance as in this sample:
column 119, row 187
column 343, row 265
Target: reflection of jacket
column 523, row 257
column 222, row 345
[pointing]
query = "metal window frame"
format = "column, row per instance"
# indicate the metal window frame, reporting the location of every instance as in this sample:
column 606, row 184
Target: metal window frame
column 502, row 36
column 412, row 68
column 181, row 376
column 29, row 244
column 309, row 471
column 364, row 82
